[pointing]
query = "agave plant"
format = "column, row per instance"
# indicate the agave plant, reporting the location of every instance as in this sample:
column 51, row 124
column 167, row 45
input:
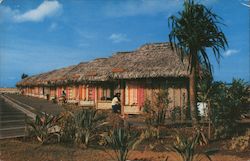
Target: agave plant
column 87, row 121
column 185, row 148
column 68, row 128
column 121, row 141
column 44, row 127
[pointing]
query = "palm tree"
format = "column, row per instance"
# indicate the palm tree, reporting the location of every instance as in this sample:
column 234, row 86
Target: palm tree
column 194, row 30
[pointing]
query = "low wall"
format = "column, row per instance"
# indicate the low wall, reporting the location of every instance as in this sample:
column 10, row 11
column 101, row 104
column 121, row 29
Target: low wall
column 132, row 109
column 104, row 105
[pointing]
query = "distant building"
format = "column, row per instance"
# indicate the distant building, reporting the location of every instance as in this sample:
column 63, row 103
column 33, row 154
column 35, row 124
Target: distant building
column 9, row 90
column 137, row 75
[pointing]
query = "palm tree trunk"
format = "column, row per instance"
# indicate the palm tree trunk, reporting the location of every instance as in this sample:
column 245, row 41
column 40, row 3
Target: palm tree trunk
column 192, row 92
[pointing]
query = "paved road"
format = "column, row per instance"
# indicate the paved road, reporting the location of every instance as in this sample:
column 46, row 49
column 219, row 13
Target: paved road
column 15, row 109
column 12, row 121
column 36, row 104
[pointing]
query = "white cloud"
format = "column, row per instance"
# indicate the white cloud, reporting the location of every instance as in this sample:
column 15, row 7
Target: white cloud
column 118, row 37
column 230, row 52
column 46, row 9
column 245, row 3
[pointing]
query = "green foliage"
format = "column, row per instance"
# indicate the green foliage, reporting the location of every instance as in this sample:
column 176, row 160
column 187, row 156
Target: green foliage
column 24, row 75
column 121, row 140
column 176, row 113
column 156, row 111
column 185, row 147
column 195, row 29
column 45, row 127
column 227, row 106
column 87, row 123
column 68, row 128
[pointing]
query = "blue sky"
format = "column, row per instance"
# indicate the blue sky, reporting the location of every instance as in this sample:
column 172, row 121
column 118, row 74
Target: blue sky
column 38, row 36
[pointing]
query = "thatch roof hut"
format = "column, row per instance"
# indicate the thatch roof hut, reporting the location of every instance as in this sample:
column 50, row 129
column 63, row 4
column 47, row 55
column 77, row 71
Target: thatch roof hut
column 48, row 78
column 155, row 60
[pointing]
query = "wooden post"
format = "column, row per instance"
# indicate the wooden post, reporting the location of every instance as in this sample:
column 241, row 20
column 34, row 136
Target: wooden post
column 96, row 97
column 209, row 121
column 122, row 97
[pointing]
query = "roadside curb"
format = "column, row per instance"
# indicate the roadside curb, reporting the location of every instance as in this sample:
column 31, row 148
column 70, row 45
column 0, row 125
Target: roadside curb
column 20, row 108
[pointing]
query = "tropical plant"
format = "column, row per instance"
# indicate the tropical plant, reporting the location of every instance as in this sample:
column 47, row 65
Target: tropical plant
column 156, row 111
column 68, row 128
column 121, row 140
column 44, row 127
column 176, row 113
column 185, row 148
column 24, row 76
column 228, row 103
column 195, row 29
column 87, row 122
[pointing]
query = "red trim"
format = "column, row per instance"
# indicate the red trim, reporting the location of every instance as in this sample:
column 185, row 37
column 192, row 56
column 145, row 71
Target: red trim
column 76, row 92
column 80, row 92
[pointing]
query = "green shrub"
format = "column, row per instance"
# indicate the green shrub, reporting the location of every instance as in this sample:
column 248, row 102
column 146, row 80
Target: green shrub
column 44, row 127
column 156, row 111
column 87, row 123
column 68, row 128
column 185, row 148
column 176, row 113
column 227, row 106
column 121, row 140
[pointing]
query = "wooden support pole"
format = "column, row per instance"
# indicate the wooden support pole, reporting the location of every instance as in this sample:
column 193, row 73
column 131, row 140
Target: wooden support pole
column 209, row 121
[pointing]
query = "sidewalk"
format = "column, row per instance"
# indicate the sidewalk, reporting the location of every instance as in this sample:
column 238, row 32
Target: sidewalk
column 37, row 104
column 12, row 121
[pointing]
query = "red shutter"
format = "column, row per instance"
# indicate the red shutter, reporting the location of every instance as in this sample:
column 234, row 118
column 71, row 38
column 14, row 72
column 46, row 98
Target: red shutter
column 100, row 93
column 59, row 92
column 80, row 92
column 76, row 93
column 140, row 95
column 93, row 94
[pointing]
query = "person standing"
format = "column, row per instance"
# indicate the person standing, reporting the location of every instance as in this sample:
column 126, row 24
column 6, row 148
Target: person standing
column 116, row 103
column 64, row 96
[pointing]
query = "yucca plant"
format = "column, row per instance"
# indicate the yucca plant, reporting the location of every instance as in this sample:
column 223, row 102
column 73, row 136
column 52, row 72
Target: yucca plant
column 87, row 121
column 44, row 127
column 121, row 141
column 185, row 148
column 68, row 128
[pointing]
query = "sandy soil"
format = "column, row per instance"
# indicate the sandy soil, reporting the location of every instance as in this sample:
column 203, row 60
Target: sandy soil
column 19, row 150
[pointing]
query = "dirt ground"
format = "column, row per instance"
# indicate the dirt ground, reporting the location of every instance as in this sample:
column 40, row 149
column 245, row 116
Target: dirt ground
column 20, row 150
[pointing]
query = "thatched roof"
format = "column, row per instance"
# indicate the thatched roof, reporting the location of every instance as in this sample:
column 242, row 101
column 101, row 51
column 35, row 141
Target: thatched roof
column 47, row 78
column 149, row 61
